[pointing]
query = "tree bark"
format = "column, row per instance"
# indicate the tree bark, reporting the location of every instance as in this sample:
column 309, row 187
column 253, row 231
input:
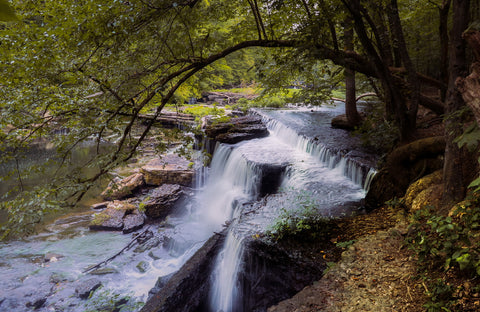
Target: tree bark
column 443, row 34
column 455, row 157
column 353, row 117
column 470, row 86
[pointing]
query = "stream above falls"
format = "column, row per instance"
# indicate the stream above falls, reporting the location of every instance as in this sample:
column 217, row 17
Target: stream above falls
column 309, row 156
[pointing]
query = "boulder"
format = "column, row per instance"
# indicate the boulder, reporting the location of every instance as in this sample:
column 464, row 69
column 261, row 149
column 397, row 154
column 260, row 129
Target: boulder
column 85, row 288
column 160, row 202
column 404, row 165
column 237, row 129
column 341, row 122
column 120, row 188
column 36, row 303
column 422, row 184
column 119, row 215
column 431, row 196
column 170, row 169
column 188, row 288
column 133, row 222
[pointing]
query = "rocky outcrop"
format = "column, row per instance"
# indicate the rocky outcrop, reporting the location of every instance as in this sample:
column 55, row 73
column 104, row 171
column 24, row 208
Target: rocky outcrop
column 160, row 202
column 171, row 169
column 237, row 129
column 405, row 165
column 188, row 289
column 271, row 177
column 119, row 215
column 120, row 188
column 271, row 273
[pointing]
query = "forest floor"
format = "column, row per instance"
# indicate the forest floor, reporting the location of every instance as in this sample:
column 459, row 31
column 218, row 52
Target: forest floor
column 375, row 273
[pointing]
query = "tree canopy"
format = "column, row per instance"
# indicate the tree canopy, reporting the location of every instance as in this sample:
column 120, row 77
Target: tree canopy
column 93, row 66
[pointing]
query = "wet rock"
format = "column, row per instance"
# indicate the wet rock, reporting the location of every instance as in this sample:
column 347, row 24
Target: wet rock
column 237, row 129
column 271, row 178
column 118, row 189
column 161, row 282
column 341, row 122
column 119, row 215
column 270, row 273
column 149, row 244
column 36, row 304
column 155, row 254
column 133, row 222
column 188, row 288
column 52, row 257
column 142, row 266
column 103, row 271
column 56, row 278
column 85, row 288
column 170, row 169
column 161, row 200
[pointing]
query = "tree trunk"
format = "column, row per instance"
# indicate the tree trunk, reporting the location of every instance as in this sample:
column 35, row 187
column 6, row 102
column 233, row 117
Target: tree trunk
column 455, row 157
column 353, row 117
column 443, row 34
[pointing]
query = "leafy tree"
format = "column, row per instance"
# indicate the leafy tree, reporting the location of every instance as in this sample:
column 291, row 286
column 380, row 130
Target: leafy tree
column 94, row 67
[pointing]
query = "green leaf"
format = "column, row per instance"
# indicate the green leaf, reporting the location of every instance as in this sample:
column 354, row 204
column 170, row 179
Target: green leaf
column 6, row 12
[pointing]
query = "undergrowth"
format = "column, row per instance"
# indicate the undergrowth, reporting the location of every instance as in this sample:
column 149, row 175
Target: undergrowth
column 448, row 253
column 303, row 219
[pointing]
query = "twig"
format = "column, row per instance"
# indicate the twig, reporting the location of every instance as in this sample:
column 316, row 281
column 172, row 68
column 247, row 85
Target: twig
column 130, row 245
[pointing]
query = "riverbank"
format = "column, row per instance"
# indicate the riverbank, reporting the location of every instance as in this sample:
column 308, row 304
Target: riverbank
column 375, row 273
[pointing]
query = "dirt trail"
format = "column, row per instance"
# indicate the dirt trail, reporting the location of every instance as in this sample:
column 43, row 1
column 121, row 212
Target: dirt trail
column 374, row 274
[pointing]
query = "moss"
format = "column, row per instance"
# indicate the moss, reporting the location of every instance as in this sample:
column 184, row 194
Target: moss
column 420, row 185
column 100, row 218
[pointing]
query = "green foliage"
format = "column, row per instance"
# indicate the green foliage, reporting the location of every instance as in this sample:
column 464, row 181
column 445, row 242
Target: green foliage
column 444, row 243
column 305, row 217
column 104, row 300
column 346, row 244
column 203, row 110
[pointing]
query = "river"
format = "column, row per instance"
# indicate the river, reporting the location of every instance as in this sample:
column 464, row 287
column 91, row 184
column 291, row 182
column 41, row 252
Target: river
column 326, row 166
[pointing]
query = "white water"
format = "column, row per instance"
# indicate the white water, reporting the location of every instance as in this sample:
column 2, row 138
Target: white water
column 331, row 179
column 232, row 180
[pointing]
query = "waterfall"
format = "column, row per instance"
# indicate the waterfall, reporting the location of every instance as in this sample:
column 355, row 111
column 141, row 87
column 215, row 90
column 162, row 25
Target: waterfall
column 349, row 167
column 309, row 160
column 226, row 289
column 231, row 180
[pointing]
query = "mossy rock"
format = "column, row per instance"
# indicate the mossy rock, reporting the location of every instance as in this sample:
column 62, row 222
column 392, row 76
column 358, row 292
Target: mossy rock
column 422, row 184
column 430, row 196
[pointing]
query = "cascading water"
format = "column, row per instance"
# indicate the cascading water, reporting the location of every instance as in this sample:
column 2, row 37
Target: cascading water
column 330, row 178
column 235, row 178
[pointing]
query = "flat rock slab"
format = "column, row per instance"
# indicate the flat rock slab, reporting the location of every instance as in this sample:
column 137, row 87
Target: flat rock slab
column 237, row 129
column 161, row 200
column 120, row 188
column 132, row 222
column 170, row 169
column 118, row 216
